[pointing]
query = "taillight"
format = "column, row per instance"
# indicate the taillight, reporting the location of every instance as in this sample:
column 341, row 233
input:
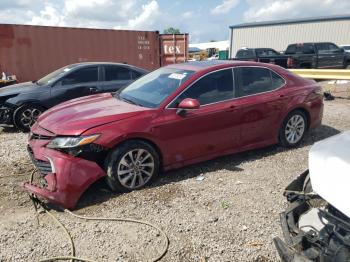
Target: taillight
column 290, row 62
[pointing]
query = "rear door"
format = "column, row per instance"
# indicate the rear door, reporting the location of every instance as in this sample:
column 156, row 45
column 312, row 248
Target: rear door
column 80, row 82
column 337, row 55
column 326, row 58
column 116, row 77
column 260, row 104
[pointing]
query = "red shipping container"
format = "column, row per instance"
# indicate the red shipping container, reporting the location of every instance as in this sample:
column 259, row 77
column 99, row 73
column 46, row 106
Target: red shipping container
column 30, row 52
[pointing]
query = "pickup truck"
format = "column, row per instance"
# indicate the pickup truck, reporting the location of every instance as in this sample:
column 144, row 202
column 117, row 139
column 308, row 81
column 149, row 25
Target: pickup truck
column 263, row 55
column 316, row 55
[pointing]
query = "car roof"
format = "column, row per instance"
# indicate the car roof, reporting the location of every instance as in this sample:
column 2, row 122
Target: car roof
column 104, row 63
column 311, row 43
column 215, row 64
column 259, row 48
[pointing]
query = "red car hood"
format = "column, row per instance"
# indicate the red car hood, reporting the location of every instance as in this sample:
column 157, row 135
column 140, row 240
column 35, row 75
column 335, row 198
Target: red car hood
column 78, row 115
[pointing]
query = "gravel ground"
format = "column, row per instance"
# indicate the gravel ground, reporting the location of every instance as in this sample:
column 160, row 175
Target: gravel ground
column 230, row 215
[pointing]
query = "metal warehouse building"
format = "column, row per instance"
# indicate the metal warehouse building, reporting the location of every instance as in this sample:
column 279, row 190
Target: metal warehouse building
column 279, row 34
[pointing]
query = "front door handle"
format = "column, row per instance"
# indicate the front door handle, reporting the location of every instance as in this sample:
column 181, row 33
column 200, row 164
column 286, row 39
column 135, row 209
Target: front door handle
column 93, row 89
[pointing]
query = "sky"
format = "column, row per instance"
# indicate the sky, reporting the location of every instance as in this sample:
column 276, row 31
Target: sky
column 204, row 20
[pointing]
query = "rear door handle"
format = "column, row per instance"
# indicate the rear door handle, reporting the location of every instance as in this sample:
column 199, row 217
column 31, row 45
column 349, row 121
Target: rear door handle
column 231, row 108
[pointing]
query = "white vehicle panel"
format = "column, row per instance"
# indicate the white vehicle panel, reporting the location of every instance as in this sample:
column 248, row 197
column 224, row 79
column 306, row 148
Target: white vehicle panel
column 329, row 166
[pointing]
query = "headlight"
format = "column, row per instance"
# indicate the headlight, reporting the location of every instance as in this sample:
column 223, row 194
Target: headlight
column 71, row 142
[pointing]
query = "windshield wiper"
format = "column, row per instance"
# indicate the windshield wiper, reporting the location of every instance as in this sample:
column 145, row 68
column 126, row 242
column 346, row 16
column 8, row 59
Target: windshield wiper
column 128, row 101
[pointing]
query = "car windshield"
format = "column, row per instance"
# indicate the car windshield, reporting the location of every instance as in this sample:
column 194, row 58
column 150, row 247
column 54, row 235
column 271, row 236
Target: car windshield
column 54, row 75
column 347, row 47
column 152, row 89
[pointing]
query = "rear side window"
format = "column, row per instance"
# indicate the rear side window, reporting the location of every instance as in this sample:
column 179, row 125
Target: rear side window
column 307, row 49
column 255, row 80
column 245, row 54
column 212, row 88
column 84, row 75
column 333, row 48
column 300, row 49
column 114, row 73
column 277, row 81
column 327, row 48
column 135, row 74
column 291, row 49
column 323, row 48
column 266, row 52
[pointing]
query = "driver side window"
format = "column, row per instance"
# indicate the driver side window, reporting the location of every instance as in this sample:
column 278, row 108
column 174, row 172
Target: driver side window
column 212, row 88
column 80, row 76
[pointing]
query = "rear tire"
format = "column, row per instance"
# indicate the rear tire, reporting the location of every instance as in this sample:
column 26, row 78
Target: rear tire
column 25, row 116
column 132, row 165
column 293, row 129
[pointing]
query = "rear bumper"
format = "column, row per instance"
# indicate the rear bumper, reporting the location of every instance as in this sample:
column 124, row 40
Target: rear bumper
column 65, row 178
column 316, row 113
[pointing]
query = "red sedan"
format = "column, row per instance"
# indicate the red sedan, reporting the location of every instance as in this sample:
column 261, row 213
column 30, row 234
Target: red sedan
column 175, row 116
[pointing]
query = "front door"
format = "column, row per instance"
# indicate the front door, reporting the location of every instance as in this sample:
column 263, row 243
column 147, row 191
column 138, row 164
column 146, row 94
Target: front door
column 81, row 82
column 211, row 129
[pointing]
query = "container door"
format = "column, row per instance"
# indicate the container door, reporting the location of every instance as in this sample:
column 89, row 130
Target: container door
column 174, row 49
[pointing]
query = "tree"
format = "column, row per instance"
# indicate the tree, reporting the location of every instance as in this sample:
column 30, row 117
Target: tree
column 172, row 31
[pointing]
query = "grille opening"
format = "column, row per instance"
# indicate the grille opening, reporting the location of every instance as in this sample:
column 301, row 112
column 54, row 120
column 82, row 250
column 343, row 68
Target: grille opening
column 44, row 167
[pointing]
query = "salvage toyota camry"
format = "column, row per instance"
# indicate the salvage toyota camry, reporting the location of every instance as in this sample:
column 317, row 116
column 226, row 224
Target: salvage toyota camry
column 175, row 116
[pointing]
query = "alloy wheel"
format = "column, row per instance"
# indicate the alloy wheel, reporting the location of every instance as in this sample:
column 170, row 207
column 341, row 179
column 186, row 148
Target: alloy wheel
column 29, row 116
column 295, row 129
column 135, row 168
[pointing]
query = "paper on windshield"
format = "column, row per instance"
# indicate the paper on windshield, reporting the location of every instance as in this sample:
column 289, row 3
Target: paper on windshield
column 177, row 76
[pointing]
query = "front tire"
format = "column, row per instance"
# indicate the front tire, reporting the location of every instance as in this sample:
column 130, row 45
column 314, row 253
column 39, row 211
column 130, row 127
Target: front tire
column 25, row 116
column 132, row 165
column 293, row 129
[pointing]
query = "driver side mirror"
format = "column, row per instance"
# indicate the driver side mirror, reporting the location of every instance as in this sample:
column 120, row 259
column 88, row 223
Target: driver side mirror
column 187, row 104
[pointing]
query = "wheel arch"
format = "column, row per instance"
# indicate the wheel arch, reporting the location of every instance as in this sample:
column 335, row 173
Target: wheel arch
column 298, row 108
column 143, row 139
column 31, row 102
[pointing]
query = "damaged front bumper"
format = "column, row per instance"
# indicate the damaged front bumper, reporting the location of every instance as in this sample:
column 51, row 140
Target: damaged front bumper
column 313, row 230
column 60, row 178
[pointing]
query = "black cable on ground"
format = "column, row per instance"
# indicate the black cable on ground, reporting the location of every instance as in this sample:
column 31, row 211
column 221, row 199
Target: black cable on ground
column 72, row 257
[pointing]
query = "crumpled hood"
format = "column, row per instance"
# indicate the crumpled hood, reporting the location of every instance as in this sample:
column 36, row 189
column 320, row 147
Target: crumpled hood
column 18, row 88
column 329, row 166
column 78, row 115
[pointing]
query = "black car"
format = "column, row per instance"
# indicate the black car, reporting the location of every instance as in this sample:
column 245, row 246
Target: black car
column 317, row 55
column 263, row 55
column 21, row 104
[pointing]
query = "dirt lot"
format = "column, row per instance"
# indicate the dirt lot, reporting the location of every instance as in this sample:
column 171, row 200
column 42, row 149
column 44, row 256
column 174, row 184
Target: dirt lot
column 231, row 215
